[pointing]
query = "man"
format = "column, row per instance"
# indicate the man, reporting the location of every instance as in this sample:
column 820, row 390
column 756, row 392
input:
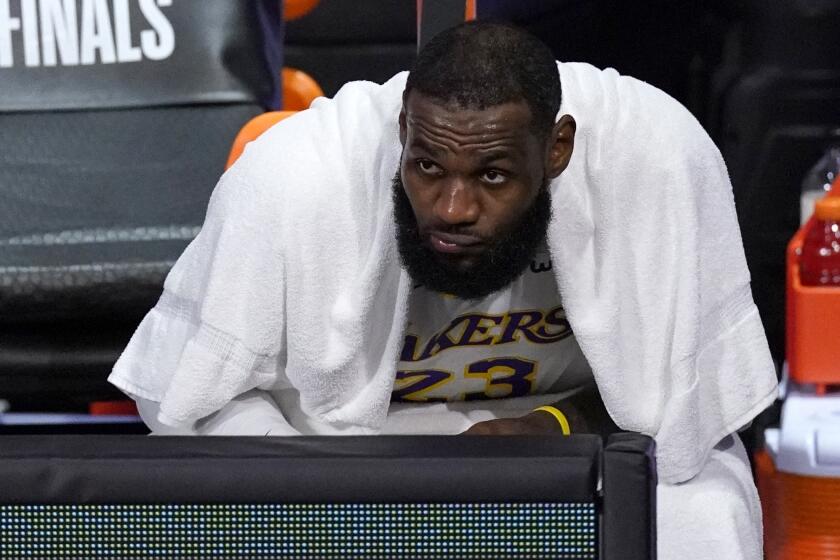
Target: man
column 291, row 313
column 472, row 207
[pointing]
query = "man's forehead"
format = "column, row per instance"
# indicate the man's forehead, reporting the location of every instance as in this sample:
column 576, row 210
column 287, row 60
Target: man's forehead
column 442, row 117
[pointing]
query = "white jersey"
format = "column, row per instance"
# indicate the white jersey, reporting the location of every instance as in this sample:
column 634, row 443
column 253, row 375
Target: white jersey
column 513, row 343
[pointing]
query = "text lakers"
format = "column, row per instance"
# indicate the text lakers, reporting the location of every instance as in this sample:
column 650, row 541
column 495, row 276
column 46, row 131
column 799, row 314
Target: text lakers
column 498, row 377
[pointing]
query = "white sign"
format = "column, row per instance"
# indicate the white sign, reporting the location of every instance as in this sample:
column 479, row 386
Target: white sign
column 56, row 33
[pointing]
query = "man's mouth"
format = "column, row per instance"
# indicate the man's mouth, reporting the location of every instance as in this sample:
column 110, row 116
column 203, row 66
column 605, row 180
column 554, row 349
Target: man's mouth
column 451, row 243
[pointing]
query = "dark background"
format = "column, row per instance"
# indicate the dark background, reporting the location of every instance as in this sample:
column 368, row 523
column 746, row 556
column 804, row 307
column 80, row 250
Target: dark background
column 762, row 77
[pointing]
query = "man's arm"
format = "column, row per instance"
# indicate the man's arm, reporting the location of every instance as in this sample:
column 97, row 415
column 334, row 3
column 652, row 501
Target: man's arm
column 253, row 413
column 584, row 410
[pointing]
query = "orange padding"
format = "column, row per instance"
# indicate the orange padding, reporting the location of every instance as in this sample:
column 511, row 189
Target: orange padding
column 801, row 513
column 812, row 323
column 252, row 130
column 294, row 9
column 469, row 10
column 299, row 90
column 108, row 408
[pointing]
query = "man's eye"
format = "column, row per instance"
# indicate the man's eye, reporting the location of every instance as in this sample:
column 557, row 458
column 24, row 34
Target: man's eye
column 493, row 177
column 428, row 167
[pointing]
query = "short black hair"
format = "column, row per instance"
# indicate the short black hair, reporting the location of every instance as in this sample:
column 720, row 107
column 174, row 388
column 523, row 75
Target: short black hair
column 482, row 64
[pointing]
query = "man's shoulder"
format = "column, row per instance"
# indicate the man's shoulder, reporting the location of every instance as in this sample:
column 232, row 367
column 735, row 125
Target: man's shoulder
column 325, row 159
column 360, row 120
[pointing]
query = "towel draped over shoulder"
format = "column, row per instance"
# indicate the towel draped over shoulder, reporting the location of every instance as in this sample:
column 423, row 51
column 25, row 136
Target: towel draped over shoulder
column 294, row 280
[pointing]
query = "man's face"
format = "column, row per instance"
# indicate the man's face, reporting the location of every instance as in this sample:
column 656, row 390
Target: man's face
column 476, row 184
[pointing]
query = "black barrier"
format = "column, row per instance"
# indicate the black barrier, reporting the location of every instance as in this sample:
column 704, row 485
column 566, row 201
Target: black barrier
column 629, row 477
column 323, row 497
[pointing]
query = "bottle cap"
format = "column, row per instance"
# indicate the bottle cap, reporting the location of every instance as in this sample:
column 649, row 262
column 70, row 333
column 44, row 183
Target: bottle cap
column 828, row 208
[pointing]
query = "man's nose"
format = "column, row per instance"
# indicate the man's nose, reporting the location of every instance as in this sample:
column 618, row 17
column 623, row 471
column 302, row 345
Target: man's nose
column 457, row 203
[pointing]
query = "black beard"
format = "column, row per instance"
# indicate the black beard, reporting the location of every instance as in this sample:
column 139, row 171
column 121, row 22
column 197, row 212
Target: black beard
column 499, row 265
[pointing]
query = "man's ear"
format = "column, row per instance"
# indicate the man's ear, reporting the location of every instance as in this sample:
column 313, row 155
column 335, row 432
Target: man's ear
column 402, row 126
column 561, row 144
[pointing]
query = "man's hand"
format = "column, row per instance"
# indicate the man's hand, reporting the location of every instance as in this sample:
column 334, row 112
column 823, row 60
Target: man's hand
column 585, row 412
column 535, row 423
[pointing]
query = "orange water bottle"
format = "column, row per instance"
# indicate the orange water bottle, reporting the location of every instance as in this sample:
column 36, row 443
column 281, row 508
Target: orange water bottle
column 820, row 258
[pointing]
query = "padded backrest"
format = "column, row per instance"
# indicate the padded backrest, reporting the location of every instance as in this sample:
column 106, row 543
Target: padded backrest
column 116, row 118
column 341, row 41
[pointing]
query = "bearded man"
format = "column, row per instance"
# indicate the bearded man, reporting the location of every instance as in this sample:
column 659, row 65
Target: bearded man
column 453, row 253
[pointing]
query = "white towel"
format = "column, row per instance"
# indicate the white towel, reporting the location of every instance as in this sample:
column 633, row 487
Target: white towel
column 652, row 270
column 294, row 281
column 716, row 515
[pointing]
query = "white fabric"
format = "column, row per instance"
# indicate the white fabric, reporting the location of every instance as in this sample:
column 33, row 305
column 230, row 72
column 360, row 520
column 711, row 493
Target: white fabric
column 714, row 516
column 253, row 413
column 650, row 263
column 512, row 343
column 294, row 281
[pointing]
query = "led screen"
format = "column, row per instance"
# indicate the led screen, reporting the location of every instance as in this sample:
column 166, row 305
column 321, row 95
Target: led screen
column 301, row 531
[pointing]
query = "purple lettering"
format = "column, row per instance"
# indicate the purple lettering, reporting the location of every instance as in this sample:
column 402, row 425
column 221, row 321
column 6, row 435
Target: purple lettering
column 475, row 327
column 441, row 341
column 417, row 383
column 522, row 321
column 409, row 348
column 557, row 318
column 517, row 378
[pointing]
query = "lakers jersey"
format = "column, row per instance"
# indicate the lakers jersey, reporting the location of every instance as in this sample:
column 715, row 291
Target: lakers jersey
column 513, row 343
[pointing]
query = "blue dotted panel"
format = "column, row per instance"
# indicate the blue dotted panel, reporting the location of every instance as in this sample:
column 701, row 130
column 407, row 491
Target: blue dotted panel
column 301, row 531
